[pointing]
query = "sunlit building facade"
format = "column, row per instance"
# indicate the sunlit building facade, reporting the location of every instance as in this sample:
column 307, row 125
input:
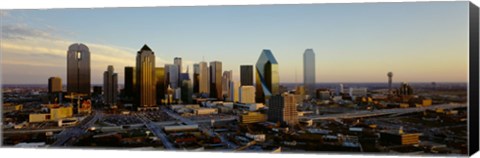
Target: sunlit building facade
column 145, row 74
column 267, row 79
column 216, row 80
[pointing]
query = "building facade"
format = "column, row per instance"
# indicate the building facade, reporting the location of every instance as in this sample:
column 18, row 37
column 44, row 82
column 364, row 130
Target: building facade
column 216, row 80
column 78, row 69
column 160, row 83
column 110, row 86
column 145, row 77
column 267, row 78
column 309, row 71
column 54, row 85
column 246, row 75
column 283, row 109
column 247, row 94
column 204, row 79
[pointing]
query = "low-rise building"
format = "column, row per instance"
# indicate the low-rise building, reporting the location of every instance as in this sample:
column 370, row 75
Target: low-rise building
column 205, row 111
column 252, row 117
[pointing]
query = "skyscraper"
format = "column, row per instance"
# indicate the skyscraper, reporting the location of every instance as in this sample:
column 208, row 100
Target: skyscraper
column 216, row 80
column 204, row 79
column 110, row 86
column 266, row 76
column 160, row 85
column 173, row 75
column 283, row 108
column 246, row 75
column 226, row 79
column 196, row 78
column 145, row 77
column 129, row 85
column 234, row 91
column 186, row 91
column 54, row 84
column 178, row 62
column 309, row 71
column 78, row 69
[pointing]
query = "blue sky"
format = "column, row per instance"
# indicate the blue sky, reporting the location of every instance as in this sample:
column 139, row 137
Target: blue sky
column 419, row 42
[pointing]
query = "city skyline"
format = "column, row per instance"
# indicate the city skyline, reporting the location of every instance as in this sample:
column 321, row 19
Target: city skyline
column 37, row 41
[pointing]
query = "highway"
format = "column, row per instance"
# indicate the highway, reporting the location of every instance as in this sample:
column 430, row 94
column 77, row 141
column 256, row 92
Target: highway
column 157, row 131
column 25, row 131
column 64, row 138
column 382, row 112
column 204, row 129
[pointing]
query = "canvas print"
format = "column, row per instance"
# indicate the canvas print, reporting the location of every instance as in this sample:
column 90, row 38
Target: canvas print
column 378, row 78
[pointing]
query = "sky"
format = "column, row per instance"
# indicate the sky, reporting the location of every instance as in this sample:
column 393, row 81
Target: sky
column 362, row 42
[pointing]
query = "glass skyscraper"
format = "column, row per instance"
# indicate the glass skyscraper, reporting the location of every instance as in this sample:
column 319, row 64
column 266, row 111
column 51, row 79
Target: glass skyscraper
column 309, row 71
column 78, row 69
column 267, row 79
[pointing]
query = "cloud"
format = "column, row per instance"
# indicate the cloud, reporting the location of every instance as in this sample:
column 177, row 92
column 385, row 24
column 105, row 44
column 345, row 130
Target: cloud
column 41, row 50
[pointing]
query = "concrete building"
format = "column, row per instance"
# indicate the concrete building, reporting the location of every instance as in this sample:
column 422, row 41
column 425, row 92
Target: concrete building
column 216, row 80
column 309, row 71
column 267, row 78
column 110, row 86
column 283, row 109
column 247, row 94
column 252, row 117
column 78, row 69
column 246, row 75
column 358, row 92
column 145, row 77
column 205, row 111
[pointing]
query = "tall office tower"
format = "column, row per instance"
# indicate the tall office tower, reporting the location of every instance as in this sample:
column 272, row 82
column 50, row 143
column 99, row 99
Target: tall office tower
column 247, row 94
column 129, row 83
column 204, row 79
column 54, row 84
column 173, row 75
column 187, row 91
column 283, row 108
column 246, row 75
column 267, row 78
column 226, row 78
column 160, row 85
column 234, row 91
column 390, row 76
column 309, row 71
column 216, row 80
column 196, row 78
column 110, row 86
column 78, row 69
column 178, row 62
column 145, row 77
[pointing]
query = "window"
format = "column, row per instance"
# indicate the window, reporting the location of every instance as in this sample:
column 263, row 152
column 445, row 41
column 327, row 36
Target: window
column 79, row 55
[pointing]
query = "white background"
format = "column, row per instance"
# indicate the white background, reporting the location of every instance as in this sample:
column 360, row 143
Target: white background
column 83, row 153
